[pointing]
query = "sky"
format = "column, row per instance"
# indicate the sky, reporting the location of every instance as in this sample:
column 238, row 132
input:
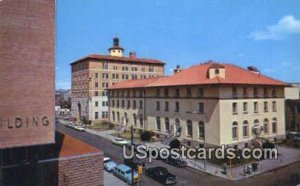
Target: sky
column 264, row 34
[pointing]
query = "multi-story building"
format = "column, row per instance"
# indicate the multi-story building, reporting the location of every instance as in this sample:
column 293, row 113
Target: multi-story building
column 92, row 74
column 292, row 107
column 212, row 103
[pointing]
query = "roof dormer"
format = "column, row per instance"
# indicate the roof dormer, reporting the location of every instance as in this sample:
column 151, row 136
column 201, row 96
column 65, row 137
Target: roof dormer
column 216, row 70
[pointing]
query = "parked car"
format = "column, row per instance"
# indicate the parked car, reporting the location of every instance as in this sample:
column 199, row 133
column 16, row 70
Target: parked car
column 79, row 128
column 69, row 124
column 109, row 165
column 161, row 174
column 294, row 136
column 124, row 173
column 120, row 141
column 176, row 162
column 135, row 163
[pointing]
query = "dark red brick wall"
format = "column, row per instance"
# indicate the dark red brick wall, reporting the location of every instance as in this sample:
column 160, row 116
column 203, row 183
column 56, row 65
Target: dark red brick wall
column 26, row 72
column 71, row 171
column 87, row 171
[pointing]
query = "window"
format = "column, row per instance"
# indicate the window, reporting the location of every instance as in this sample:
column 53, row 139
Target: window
column 201, row 129
column 157, row 92
column 105, row 65
column 141, row 104
column 245, row 129
column 234, row 130
column 245, row 92
column 266, row 126
column 177, row 92
column 104, row 114
column 123, row 103
column 265, row 106
column 118, row 103
column 266, row 94
column 157, row 106
column 103, row 103
column 255, row 105
column 113, row 116
column 167, row 124
column 166, row 106
column 176, row 106
column 141, row 121
column 166, row 92
column 234, row 92
column 96, row 103
column 96, row 115
column 255, row 92
column 128, row 104
column 115, row 67
column 96, row 93
column 158, row 127
column 245, row 107
column 217, row 71
column 189, row 128
column 134, row 119
column 234, row 108
column 274, row 93
column 274, row 125
column 112, row 103
column 201, row 108
column 274, row 108
column 200, row 92
column 96, row 84
column 96, row 75
column 189, row 92
column 134, row 104
column 118, row 116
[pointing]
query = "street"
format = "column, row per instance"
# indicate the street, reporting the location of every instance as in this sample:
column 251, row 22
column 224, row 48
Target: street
column 185, row 176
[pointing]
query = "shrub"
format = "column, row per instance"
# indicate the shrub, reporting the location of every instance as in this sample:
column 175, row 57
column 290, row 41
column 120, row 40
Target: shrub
column 175, row 143
column 146, row 135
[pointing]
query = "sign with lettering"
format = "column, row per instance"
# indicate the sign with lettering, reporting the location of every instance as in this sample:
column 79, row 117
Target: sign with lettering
column 26, row 72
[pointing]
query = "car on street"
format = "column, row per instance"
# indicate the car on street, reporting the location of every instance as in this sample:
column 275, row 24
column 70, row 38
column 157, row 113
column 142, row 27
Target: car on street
column 294, row 136
column 124, row 173
column 79, row 128
column 109, row 165
column 176, row 162
column 161, row 174
column 69, row 124
column 120, row 141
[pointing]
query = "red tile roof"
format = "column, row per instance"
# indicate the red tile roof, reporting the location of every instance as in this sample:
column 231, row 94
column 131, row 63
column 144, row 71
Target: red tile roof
column 71, row 147
column 197, row 75
column 116, row 58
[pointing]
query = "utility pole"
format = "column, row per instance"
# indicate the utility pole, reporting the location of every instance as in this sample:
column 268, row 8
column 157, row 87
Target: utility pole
column 132, row 171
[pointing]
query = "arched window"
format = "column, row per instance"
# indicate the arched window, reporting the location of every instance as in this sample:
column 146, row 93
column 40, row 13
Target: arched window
column 134, row 119
column 177, row 128
column 201, row 129
column 158, row 127
column 234, row 130
column 245, row 128
column 167, row 124
column 141, row 120
column 274, row 125
column 189, row 128
column 266, row 126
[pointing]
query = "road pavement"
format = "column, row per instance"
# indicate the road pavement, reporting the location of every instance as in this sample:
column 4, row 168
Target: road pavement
column 186, row 176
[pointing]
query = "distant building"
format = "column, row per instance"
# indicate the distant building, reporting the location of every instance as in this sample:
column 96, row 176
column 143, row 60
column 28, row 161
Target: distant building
column 92, row 74
column 292, row 92
column 209, row 103
column 292, row 107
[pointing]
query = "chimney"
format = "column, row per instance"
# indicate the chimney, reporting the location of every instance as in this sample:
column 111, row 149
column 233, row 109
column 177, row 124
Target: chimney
column 132, row 55
column 177, row 69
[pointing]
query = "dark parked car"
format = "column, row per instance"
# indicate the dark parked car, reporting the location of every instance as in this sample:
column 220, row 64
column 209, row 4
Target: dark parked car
column 176, row 162
column 161, row 175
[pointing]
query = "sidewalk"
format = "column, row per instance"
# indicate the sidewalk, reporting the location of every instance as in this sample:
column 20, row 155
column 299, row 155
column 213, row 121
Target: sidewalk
column 286, row 156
